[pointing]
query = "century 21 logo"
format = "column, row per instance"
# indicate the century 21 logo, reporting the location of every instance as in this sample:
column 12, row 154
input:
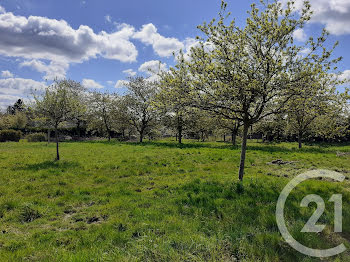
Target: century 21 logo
column 311, row 226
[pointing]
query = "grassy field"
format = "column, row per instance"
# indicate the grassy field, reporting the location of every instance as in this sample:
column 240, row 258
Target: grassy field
column 161, row 202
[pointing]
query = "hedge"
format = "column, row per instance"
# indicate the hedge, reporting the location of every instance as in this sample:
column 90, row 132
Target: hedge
column 36, row 137
column 10, row 135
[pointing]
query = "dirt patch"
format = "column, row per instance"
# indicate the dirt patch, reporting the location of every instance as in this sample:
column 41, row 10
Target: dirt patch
column 284, row 176
column 91, row 220
column 340, row 154
column 280, row 162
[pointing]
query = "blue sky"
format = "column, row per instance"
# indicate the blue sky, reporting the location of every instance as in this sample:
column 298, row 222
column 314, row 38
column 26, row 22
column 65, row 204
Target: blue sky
column 94, row 41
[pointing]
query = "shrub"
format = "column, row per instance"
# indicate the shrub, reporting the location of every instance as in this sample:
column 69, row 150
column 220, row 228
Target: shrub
column 10, row 135
column 240, row 188
column 28, row 214
column 36, row 137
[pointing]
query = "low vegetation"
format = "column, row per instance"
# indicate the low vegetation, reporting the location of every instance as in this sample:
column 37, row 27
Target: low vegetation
column 10, row 135
column 160, row 201
column 168, row 198
column 36, row 137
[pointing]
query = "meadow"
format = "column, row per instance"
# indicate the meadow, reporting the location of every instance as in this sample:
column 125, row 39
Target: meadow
column 159, row 201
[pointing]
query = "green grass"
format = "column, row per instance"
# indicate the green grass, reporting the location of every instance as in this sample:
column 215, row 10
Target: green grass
column 161, row 202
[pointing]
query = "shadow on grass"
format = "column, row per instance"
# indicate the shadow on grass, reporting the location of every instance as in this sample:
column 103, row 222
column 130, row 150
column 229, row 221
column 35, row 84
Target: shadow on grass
column 175, row 144
column 277, row 148
column 264, row 147
column 328, row 144
column 167, row 144
column 51, row 164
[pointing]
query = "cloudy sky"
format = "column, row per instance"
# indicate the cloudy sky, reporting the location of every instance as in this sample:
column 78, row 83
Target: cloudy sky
column 101, row 42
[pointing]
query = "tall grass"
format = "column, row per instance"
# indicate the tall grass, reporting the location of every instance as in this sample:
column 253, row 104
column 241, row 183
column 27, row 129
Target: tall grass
column 160, row 201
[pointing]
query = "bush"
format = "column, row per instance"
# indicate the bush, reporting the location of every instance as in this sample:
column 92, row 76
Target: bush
column 240, row 188
column 28, row 214
column 36, row 137
column 10, row 135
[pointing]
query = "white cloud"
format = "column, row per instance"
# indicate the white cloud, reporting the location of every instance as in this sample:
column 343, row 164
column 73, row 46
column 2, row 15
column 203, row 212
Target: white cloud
column 54, row 70
column 345, row 75
column 110, row 83
column 121, row 84
column 193, row 43
column 6, row 74
column 163, row 46
column 334, row 14
column 92, row 84
column 108, row 18
column 7, row 100
column 129, row 72
column 153, row 78
column 12, row 89
column 305, row 51
column 299, row 35
column 2, row 10
column 38, row 37
column 189, row 44
column 152, row 67
column 19, row 86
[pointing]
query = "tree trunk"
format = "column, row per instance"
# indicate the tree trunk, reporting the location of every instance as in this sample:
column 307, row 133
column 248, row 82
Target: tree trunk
column 78, row 129
column 224, row 137
column 106, row 125
column 233, row 137
column 179, row 129
column 57, row 141
column 48, row 135
column 202, row 136
column 300, row 136
column 243, row 151
column 141, row 136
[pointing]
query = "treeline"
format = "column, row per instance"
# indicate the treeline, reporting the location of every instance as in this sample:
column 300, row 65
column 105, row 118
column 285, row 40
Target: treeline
column 103, row 115
column 249, row 81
